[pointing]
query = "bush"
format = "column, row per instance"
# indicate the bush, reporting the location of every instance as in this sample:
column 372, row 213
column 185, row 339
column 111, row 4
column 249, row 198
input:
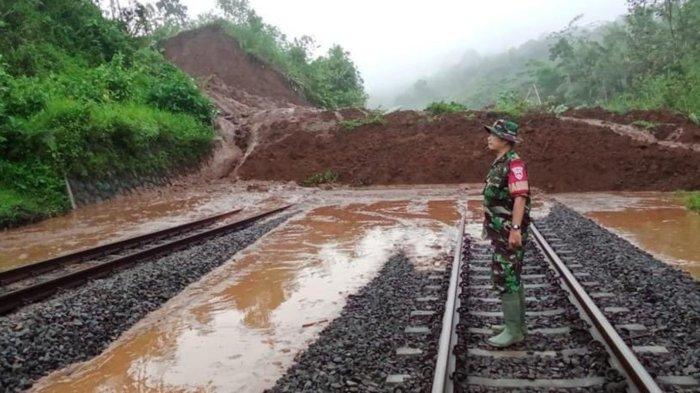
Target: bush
column 330, row 81
column 79, row 99
column 442, row 107
column 375, row 118
column 90, row 140
column 511, row 104
column 648, row 125
column 320, row 178
column 676, row 91
column 691, row 199
column 29, row 191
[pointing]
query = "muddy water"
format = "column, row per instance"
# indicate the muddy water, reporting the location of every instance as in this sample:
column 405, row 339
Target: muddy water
column 655, row 221
column 122, row 218
column 239, row 328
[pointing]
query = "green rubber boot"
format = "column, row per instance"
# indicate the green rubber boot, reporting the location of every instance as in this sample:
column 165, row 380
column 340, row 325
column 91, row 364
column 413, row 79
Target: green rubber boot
column 523, row 322
column 512, row 333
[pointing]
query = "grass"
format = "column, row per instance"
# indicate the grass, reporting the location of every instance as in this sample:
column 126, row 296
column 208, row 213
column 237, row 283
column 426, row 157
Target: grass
column 93, row 142
column 320, row 178
column 648, row 125
column 694, row 118
column 17, row 208
column 375, row 118
column 691, row 199
column 442, row 107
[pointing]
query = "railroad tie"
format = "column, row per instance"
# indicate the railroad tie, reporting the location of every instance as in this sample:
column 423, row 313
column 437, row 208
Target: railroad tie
column 657, row 349
column 498, row 354
column 527, row 286
column 569, row 383
column 408, row 351
column 543, row 313
column 616, row 310
column 544, row 331
column 396, row 379
column 678, row 380
column 498, row 300
column 524, row 277
column 417, row 330
column 422, row 313
column 597, row 295
column 631, row 327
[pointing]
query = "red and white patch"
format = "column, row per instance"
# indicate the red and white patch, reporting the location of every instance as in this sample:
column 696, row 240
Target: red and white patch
column 518, row 172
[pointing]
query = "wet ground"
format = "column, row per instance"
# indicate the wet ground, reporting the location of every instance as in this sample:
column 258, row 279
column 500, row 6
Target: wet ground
column 127, row 216
column 656, row 222
column 239, row 328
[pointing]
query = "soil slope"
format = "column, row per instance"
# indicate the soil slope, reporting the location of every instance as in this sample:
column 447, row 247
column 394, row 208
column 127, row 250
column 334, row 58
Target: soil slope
column 664, row 125
column 413, row 148
column 210, row 52
column 268, row 131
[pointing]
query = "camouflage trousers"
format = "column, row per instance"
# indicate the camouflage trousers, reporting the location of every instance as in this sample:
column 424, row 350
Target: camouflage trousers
column 506, row 265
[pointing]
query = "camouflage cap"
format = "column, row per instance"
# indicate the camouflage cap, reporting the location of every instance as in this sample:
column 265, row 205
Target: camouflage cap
column 504, row 129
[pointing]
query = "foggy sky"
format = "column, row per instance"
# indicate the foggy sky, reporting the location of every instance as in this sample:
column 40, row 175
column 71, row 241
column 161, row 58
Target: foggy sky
column 395, row 42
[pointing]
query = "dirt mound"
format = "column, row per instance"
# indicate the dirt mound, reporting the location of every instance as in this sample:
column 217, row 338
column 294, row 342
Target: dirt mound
column 664, row 125
column 413, row 148
column 210, row 52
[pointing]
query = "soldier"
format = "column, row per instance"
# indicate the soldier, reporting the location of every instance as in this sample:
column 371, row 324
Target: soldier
column 507, row 216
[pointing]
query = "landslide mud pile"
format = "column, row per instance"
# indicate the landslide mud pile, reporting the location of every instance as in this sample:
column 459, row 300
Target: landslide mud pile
column 247, row 92
column 212, row 55
column 268, row 131
column 413, row 148
column 664, row 125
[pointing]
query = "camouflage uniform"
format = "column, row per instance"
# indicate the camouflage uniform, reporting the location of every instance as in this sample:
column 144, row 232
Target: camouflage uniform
column 507, row 178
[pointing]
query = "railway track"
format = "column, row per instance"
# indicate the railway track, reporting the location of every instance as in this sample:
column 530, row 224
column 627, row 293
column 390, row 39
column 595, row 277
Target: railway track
column 571, row 344
column 30, row 283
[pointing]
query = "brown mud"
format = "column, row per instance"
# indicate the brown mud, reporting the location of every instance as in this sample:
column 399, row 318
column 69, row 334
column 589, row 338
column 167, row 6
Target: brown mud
column 669, row 126
column 240, row 327
column 209, row 51
column 414, row 148
column 657, row 222
column 267, row 131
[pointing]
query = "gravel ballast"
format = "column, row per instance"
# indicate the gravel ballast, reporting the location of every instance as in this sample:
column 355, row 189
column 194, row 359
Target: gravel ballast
column 78, row 324
column 357, row 351
column 639, row 290
column 478, row 314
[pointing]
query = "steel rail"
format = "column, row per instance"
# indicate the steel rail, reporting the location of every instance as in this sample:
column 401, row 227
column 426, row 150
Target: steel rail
column 636, row 374
column 445, row 365
column 14, row 299
column 17, row 274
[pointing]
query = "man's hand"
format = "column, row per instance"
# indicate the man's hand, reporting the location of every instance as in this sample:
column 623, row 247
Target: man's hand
column 515, row 239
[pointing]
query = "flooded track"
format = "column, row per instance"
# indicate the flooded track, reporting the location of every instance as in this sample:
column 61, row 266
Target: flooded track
column 239, row 328
column 657, row 222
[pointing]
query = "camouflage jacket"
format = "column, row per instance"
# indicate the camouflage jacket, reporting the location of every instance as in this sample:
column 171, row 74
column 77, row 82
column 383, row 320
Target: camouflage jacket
column 507, row 179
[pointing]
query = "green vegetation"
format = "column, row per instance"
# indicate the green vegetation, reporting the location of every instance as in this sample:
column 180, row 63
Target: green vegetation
column 329, row 81
column 512, row 105
column 85, row 94
column 81, row 98
column 691, row 199
column 442, row 107
column 321, row 178
column 649, row 125
column 648, row 59
column 376, row 117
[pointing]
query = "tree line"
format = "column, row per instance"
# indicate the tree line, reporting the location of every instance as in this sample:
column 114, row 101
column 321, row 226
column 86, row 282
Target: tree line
column 647, row 59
